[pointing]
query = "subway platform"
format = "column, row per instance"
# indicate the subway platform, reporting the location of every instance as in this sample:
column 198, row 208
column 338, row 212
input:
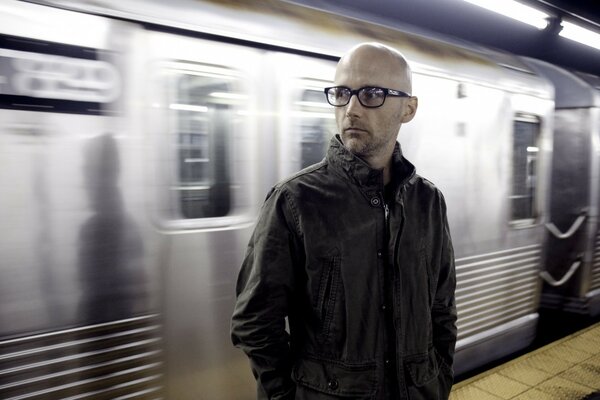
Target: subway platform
column 568, row 369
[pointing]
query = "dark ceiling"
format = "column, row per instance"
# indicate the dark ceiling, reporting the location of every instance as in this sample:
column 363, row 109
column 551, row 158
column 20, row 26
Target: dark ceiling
column 465, row 21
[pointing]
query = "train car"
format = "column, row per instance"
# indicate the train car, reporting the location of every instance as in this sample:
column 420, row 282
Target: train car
column 139, row 139
column 80, row 260
column 572, row 266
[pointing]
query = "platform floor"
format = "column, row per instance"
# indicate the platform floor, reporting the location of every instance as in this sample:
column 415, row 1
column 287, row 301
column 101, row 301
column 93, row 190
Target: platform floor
column 568, row 369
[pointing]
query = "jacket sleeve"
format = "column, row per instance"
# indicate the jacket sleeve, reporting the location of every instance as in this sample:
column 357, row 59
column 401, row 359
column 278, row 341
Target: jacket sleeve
column 264, row 288
column 443, row 314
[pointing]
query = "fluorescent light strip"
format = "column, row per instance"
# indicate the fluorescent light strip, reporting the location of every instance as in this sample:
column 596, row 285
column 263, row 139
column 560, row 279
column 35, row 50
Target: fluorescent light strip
column 305, row 114
column 515, row 10
column 579, row 34
column 188, row 107
column 313, row 104
column 225, row 95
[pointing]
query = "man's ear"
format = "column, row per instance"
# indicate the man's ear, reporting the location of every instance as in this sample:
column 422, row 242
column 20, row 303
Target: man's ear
column 411, row 109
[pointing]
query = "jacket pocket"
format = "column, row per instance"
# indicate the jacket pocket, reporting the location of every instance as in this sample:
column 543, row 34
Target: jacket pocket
column 431, row 277
column 427, row 382
column 422, row 368
column 335, row 378
column 328, row 289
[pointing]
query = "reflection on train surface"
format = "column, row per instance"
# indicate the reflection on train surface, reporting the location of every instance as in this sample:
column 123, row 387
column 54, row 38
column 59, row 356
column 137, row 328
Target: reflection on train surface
column 137, row 145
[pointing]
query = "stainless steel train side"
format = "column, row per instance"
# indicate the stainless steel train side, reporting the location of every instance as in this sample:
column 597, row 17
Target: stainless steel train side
column 80, row 262
column 572, row 276
column 217, row 102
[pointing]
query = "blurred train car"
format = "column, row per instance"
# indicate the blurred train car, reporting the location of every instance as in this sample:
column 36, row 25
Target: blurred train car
column 139, row 138
column 572, row 266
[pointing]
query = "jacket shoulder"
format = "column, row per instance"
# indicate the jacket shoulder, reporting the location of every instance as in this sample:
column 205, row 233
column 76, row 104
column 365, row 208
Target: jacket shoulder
column 424, row 184
column 285, row 194
column 287, row 188
column 304, row 174
column 427, row 187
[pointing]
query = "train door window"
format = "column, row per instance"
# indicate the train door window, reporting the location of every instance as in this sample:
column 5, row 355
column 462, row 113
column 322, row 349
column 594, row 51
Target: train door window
column 315, row 121
column 203, row 104
column 524, row 170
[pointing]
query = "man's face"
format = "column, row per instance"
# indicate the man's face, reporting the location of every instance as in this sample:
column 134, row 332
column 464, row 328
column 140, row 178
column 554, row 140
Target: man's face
column 372, row 132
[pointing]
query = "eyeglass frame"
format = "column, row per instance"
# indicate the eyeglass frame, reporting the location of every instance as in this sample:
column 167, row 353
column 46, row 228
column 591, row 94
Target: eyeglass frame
column 386, row 92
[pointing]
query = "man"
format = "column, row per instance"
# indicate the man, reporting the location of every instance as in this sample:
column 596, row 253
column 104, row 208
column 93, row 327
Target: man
column 355, row 251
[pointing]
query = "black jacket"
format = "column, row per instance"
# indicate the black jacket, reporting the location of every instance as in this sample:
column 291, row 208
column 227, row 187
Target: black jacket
column 319, row 255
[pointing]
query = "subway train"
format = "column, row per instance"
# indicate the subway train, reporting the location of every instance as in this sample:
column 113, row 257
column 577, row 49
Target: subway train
column 138, row 140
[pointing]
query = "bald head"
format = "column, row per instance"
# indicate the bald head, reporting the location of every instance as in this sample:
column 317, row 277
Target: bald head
column 383, row 65
column 370, row 131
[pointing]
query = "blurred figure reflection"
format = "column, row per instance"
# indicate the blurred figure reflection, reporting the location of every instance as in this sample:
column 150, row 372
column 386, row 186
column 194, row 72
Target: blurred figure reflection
column 110, row 246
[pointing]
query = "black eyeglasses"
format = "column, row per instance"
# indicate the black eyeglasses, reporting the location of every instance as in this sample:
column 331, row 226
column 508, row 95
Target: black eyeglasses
column 368, row 96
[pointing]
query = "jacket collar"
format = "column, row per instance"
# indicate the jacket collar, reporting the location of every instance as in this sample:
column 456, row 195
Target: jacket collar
column 370, row 180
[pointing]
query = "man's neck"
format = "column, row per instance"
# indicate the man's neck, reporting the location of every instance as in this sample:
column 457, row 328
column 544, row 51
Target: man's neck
column 387, row 173
column 384, row 163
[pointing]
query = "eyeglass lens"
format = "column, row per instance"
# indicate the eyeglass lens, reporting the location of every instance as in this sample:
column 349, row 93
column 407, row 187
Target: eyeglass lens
column 368, row 96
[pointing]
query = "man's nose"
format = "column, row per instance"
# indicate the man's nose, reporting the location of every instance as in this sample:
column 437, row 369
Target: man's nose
column 354, row 108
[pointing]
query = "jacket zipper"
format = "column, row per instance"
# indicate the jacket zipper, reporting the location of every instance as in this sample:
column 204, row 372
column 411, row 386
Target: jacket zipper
column 401, row 228
column 387, row 217
column 397, row 243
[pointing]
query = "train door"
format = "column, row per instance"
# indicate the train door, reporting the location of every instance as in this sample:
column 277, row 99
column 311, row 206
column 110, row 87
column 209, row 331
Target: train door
column 474, row 141
column 498, row 289
column 202, row 112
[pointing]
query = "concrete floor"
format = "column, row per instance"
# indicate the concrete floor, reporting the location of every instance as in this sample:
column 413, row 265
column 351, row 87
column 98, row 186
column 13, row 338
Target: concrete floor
column 568, row 369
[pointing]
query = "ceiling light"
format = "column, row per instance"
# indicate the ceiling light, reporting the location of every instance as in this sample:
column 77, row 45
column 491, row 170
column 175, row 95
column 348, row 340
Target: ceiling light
column 579, row 34
column 515, row 10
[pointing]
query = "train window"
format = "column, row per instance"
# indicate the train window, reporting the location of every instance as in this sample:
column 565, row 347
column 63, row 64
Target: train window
column 316, row 122
column 524, row 166
column 203, row 106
